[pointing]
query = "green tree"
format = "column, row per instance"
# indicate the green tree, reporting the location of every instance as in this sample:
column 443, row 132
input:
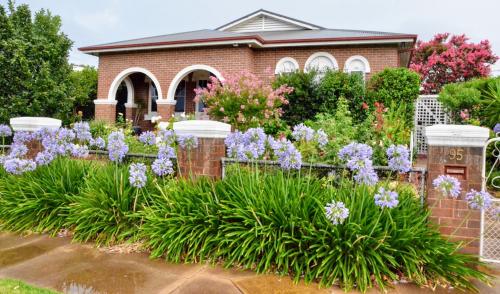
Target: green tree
column 83, row 90
column 34, row 66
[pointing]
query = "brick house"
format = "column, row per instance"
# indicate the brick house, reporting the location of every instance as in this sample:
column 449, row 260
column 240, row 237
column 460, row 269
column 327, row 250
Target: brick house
column 157, row 75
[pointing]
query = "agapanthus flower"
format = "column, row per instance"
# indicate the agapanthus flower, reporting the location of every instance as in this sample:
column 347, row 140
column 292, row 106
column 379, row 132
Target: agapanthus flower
column 137, row 175
column 18, row 166
column 321, row 137
column 43, row 133
column 79, row 151
column 255, row 138
column 98, row 142
column 82, row 131
column 366, row 176
column 302, row 132
column 148, row 138
column 447, row 185
column 44, row 158
column 18, row 150
column 234, row 141
column 187, row 141
column 478, row 199
column 166, row 152
column 386, row 198
column 399, row 158
column 21, row 137
column 162, row 167
column 5, row 131
column 66, row 135
column 166, row 137
column 288, row 155
column 355, row 150
column 336, row 212
column 117, row 148
column 496, row 129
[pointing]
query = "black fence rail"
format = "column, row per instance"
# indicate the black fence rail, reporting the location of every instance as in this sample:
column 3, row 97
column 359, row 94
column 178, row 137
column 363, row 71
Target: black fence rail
column 416, row 176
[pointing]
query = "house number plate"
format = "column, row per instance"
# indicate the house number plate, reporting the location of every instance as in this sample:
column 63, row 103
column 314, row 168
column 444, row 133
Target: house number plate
column 456, row 154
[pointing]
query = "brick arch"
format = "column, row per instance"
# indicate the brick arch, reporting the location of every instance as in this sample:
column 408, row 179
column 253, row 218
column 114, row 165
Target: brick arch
column 187, row 70
column 124, row 76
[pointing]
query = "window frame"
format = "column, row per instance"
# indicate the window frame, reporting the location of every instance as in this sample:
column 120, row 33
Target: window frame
column 282, row 61
column 329, row 56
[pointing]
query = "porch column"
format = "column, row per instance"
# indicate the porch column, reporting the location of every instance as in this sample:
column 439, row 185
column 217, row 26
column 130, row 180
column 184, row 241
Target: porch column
column 456, row 150
column 105, row 110
column 165, row 109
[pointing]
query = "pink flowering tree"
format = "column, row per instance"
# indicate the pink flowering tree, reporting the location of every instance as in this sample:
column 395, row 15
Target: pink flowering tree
column 449, row 59
column 243, row 100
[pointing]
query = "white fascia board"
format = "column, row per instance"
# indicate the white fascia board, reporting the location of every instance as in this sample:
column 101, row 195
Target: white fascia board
column 331, row 43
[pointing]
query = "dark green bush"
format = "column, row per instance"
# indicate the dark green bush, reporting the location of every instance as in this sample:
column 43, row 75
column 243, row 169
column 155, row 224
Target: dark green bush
column 40, row 200
column 398, row 85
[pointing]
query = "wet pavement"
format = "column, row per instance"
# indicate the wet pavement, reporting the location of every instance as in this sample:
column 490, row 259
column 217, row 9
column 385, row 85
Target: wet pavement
column 83, row 269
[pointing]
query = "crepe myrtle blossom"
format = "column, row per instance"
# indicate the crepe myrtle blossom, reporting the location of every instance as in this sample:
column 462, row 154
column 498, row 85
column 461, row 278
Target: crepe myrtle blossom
column 162, row 167
column 82, row 131
column 148, row 138
column 18, row 150
column 336, row 212
column 187, row 142
column 137, row 175
column 399, row 158
column 44, row 158
column 18, row 166
column 79, row 151
column 116, row 146
column 386, row 198
column 166, row 152
column 478, row 199
column 5, row 131
column 447, row 185
column 98, row 143
column 302, row 132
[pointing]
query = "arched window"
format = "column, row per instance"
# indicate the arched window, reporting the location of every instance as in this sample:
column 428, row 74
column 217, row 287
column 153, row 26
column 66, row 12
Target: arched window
column 180, row 97
column 153, row 97
column 357, row 65
column 286, row 65
column 321, row 61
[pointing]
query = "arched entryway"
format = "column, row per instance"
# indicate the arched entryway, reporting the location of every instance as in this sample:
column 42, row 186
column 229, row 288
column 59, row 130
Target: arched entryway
column 136, row 91
column 182, row 88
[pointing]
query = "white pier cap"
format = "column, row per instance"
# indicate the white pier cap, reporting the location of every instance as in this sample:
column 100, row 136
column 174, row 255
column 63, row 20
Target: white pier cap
column 33, row 124
column 456, row 135
column 200, row 128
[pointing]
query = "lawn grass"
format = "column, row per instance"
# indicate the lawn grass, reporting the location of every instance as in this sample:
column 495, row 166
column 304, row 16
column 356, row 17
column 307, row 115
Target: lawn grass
column 8, row 286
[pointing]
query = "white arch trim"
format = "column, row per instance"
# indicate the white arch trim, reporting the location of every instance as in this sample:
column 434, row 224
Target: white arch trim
column 123, row 77
column 321, row 54
column 180, row 75
column 130, row 93
column 354, row 58
column 282, row 61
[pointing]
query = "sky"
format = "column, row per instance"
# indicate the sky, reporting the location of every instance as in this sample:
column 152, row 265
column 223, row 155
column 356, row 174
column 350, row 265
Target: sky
column 92, row 22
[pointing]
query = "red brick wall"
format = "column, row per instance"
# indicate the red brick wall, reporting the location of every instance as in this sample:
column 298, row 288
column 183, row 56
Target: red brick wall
column 205, row 160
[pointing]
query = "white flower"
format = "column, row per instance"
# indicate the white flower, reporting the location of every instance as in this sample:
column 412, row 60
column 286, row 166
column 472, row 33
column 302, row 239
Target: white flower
column 156, row 119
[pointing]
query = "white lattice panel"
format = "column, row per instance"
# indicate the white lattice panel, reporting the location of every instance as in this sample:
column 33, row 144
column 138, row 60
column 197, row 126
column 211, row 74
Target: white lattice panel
column 490, row 236
column 428, row 112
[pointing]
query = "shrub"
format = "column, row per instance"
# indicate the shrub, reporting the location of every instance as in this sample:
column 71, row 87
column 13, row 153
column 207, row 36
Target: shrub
column 398, row 85
column 40, row 199
column 336, row 84
column 243, row 100
column 304, row 102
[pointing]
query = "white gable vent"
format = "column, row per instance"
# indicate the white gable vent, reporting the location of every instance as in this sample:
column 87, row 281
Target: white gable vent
column 263, row 23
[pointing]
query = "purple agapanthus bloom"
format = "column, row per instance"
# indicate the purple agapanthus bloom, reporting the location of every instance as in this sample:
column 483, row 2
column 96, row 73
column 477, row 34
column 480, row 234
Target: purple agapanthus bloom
column 79, row 151
column 166, row 137
column 399, row 158
column 447, row 185
column 187, row 142
column 21, row 137
column 166, row 152
column 496, row 129
column 287, row 154
column 18, row 166
column 302, row 132
column 117, row 147
column 321, row 137
column 18, row 150
column 478, row 199
column 336, row 212
column 82, row 131
column 44, row 158
column 355, row 150
column 255, row 138
column 148, row 138
column 366, row 176
column 5, row 131
column 98, row 142
column 162, row 167
column 234, row 142
column 386, row 198
column 65, row 135
column 137, row 175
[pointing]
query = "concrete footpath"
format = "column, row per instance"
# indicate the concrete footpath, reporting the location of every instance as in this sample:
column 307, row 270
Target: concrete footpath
column 75, row 268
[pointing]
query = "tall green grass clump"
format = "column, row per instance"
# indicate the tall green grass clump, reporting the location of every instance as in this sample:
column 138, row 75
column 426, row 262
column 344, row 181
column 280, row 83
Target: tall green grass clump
column 275, row 222
column 39, row 200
